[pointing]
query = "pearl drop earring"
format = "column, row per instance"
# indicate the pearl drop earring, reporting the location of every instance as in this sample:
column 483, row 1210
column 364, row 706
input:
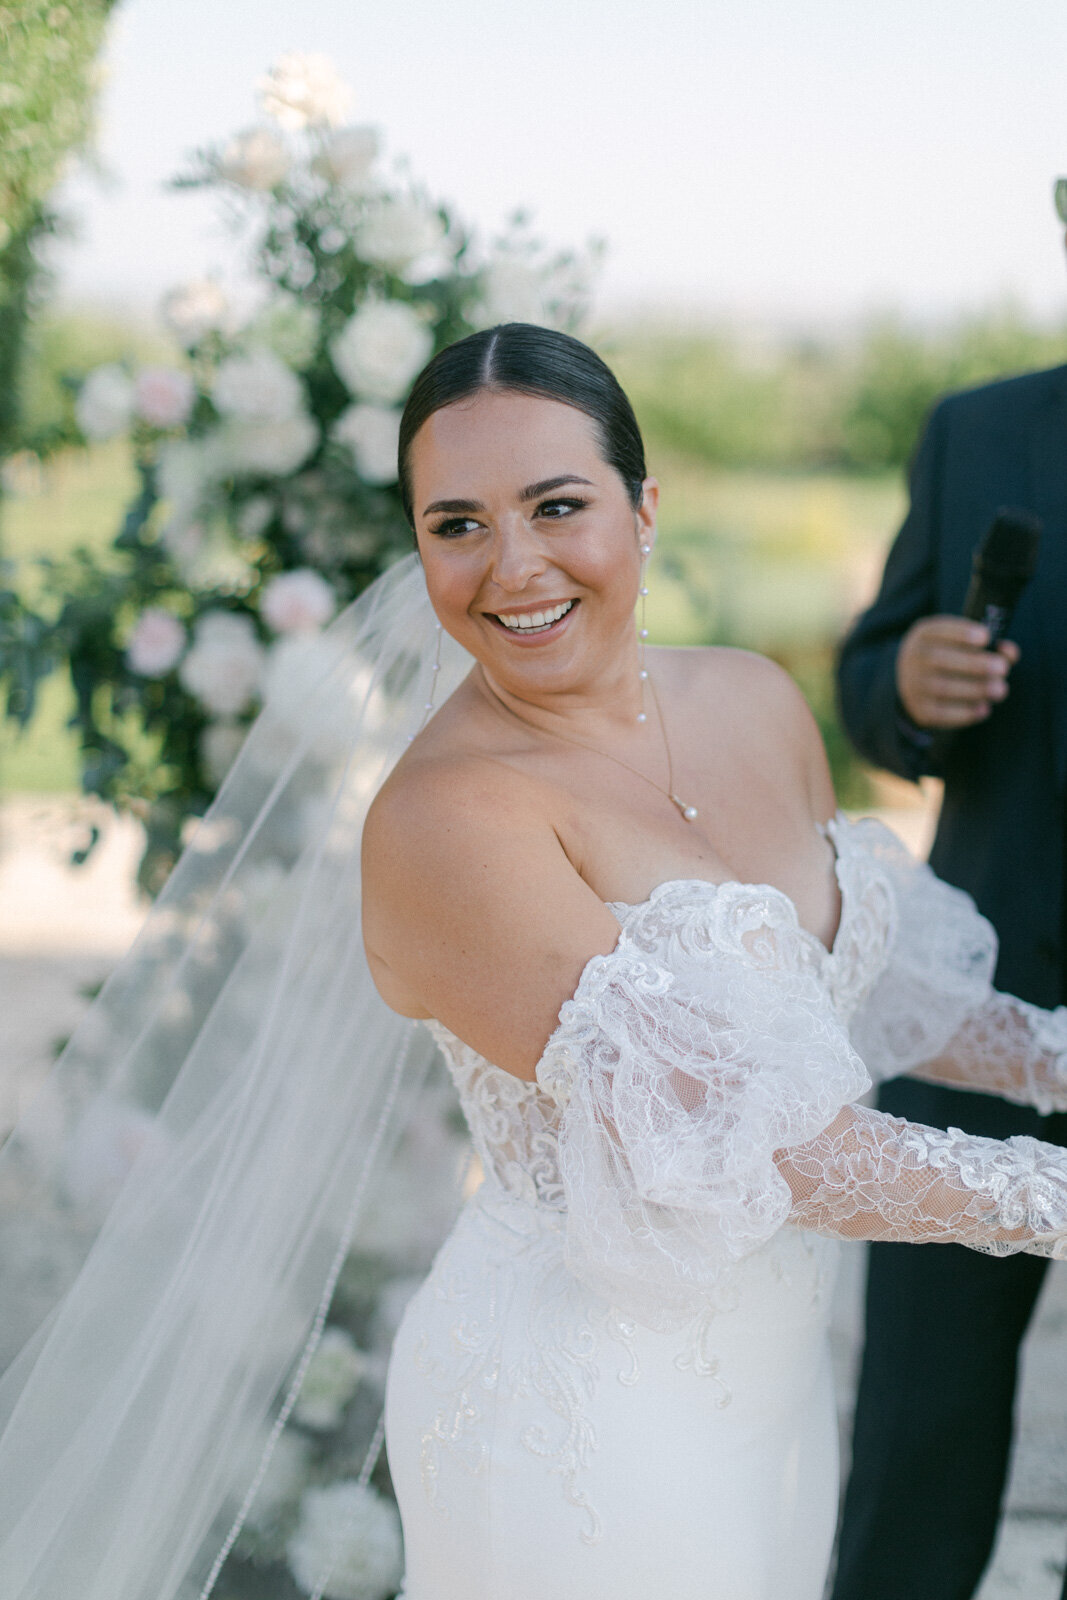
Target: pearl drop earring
column 435, row 670
column 642, row 634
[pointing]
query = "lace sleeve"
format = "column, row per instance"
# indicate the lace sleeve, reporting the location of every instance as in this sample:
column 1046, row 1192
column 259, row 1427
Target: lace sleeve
column 933, row 1012
column 872, row 1176
column 675, row 1096
column 938, row 964
column 700, row 1114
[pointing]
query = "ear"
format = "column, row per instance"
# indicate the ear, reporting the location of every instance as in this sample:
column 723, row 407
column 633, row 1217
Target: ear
column 646, row 512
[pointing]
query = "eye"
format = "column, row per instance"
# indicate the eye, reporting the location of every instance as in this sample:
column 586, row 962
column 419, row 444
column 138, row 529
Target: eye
column 453, row 527
column 556, row 509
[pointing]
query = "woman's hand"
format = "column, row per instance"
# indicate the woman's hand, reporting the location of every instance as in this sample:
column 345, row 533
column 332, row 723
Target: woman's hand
column 946, row 678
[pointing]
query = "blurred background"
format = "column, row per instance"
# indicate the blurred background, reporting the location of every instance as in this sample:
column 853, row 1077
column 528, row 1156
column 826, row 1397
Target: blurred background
column 788, row 228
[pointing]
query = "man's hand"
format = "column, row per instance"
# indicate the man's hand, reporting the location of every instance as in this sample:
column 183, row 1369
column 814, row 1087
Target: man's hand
column 946, row 678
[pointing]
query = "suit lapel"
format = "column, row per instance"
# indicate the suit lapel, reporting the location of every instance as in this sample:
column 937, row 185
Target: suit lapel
column 1048, row 464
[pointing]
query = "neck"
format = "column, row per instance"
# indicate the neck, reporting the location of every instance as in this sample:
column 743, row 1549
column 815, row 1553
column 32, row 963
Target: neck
column 611, row 703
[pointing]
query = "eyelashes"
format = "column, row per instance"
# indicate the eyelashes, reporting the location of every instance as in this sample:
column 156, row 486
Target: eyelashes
column 558, row 509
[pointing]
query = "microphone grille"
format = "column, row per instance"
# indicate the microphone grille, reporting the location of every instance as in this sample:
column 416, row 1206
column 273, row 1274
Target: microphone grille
column 1011, row 543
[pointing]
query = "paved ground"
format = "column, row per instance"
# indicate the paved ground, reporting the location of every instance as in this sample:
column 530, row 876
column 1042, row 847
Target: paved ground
column 60, row 932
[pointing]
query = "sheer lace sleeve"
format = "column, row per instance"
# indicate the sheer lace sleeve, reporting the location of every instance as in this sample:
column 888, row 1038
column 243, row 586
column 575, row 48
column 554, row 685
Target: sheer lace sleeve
column 674, row 1100
column 704, row 1106
column 933, row 1012
column 872, row 1176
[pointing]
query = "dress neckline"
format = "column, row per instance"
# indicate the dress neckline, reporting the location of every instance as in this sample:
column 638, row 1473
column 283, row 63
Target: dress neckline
column 828, row 831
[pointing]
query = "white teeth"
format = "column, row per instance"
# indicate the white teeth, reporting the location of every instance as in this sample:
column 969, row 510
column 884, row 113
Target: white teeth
column 526, row 621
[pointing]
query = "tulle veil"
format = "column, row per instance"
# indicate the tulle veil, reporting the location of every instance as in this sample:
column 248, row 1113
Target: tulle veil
column 181, row 1195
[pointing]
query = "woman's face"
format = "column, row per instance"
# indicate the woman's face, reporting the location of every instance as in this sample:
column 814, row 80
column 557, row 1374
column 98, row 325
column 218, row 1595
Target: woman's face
column 530, row 545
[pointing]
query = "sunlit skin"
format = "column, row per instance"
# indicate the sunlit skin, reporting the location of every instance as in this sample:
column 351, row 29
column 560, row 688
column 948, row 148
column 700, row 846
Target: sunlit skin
column 493, row 850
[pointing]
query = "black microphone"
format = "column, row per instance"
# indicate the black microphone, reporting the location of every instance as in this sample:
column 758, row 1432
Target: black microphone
column 1003, row 565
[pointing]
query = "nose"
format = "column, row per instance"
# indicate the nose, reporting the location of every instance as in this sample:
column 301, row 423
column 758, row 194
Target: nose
column 517, row 555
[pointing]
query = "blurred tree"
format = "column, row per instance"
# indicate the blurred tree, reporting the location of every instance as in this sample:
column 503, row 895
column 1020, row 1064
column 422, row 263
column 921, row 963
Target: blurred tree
column 899, row 372
column 47, row 82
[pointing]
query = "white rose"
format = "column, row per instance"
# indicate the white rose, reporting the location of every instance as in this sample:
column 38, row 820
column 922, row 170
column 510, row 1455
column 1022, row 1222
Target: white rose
column 297, row 600
column 257, row 387
column 333, row 1376
column 225, row 663
column 156, row 643
column 163, row 396
column 104, row 406
column 256, row 159
column 269, row 449
column 352, row 1534
column 397, row 233
column 372, row 433
column 380, row 350
column 272, row 1515
column 302, row 91
column 288, row 328
column 220, row 745
column 195, row 309
column 512, row 293
column 346, row 157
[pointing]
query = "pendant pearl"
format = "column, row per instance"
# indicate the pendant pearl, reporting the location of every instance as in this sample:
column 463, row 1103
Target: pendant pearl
column 690, row 813
column 641, row 717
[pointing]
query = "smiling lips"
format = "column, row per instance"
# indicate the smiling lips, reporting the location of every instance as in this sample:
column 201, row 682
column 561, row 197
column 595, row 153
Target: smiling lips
column 526, row 623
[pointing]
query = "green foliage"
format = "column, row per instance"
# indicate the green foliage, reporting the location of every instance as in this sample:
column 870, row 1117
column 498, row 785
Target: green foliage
column 855, row 402
column 48, row 51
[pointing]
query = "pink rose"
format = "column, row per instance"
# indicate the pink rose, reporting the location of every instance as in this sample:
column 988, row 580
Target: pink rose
column 155, row 644
column 297, row 601
column 163, row 396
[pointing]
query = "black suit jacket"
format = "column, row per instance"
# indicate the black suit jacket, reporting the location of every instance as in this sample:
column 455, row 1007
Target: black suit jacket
column 1001, row 834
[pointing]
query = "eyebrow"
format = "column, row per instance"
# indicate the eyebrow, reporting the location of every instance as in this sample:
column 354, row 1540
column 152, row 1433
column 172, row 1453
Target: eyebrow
column 532, row 491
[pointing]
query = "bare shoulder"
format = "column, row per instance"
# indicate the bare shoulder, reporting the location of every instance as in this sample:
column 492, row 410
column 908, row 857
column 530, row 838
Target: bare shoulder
column 754, row 684
column 763, row 701
column 472, row 911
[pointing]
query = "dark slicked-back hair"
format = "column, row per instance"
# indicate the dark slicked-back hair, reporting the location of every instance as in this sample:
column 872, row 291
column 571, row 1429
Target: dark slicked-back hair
column 521, row 358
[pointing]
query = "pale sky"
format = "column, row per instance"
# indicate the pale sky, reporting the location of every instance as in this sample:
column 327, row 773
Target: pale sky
column 807, row 160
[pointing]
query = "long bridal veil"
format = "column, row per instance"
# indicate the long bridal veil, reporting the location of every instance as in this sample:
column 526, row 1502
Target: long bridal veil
column 179, row 1199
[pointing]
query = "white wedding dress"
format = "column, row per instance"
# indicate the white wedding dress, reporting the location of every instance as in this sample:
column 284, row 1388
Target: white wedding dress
column 615, row 1382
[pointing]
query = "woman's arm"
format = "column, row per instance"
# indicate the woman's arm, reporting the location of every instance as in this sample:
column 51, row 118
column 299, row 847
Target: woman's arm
column 872, row 1176
column 472, row 911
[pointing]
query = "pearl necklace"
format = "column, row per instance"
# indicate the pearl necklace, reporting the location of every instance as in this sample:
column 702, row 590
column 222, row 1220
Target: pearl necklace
column 690, row 813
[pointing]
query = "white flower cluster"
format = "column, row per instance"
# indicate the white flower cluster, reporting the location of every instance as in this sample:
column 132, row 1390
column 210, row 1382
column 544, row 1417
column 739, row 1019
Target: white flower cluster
column 109, row 400
column 305, row 91
column 346, row 157
column 256, row 159
column 224, row 665
column 396, row 233
column 333, row 1376
column 380, row 349
column 372, row 433
column 294, row 602
column 347, row 1544
column 196, row 309
column 266, row 428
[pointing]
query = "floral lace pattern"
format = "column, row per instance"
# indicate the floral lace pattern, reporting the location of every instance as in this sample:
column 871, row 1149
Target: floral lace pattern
column 693, row 1098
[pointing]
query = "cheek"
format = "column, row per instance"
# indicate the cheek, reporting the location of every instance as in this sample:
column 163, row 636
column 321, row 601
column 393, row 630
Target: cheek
column 451, row 580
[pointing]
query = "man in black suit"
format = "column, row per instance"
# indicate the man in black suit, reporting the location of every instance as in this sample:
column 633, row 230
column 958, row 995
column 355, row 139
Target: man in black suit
column 919, row 694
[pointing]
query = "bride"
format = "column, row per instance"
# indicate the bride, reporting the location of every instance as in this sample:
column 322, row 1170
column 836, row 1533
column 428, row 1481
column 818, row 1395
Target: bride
column 613, row 878
column 610, row 881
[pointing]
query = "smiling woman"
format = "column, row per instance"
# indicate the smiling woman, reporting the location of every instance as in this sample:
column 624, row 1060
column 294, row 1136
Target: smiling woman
column 659, row 1017
column 644, row 1004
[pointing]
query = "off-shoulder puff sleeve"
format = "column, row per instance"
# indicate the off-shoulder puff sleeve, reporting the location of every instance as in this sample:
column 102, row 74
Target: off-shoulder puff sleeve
column 939, row 961
column 933, row 1011
column 678, row 1081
